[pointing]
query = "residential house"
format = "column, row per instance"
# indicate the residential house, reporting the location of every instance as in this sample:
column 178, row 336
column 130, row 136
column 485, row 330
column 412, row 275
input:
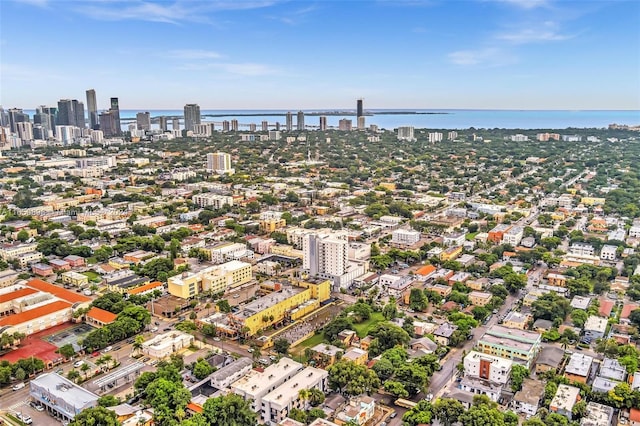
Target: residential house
column 325, row 355
column 578, row 368
column 74, row 261
column 564, row 400
column 75, row 279
column 42, row 269
column 595, row 327
column 356, row 355
column 359, row 410
column 515, row 319
column 443, row 333
column 59, row 265
column 527, row 400
column 597, row 415
column 550, row 359
column 479, row 298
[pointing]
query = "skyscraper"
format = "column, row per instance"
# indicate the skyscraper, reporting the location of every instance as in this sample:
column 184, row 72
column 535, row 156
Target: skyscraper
column 300, row 123
column 143, row 121
column 25, row 130
column 361, row 124
column 115, row 114
column 66, row 116
column 405, row 133
column 219, row 162
column 16, row 116
column 345, row 124
column 324, row 255
column 323, row 122
column 191, row 116
column 289, row 123
column 108, row 124
column 175, row 124
column 78, row 113
column 265, row 126
column 359, row 109
column 92, row 109
column 164, row 125
column 234, row 125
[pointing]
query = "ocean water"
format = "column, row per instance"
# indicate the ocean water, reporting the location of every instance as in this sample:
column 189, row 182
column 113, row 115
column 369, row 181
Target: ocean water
column 434, row 119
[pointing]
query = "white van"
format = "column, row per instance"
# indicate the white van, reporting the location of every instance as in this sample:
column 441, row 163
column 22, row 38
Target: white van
column 18, row 386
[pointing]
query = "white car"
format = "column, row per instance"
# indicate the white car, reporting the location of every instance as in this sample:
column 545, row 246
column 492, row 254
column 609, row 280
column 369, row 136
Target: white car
column 78, row 363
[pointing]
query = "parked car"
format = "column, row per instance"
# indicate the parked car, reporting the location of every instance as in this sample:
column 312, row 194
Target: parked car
column 96, row 353
column 145, row 359
column 264, row 361
column 250, row 350
column 25, row 418
column 107, row 349
column 78, row 363
column 60, row 371
column 167, row 329
column 130, row 341
column 18, row 386
column 36, row 406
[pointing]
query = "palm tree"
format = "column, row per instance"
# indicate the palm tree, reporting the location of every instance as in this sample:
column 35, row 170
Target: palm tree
column 85, row 368
column 73, row 375
column 137, row 343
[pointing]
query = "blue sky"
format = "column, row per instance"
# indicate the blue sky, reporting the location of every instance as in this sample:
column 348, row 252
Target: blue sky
column 261, row 54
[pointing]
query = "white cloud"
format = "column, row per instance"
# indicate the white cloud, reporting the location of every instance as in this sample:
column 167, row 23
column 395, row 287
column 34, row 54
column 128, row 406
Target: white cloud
column 489, row 56
column 527, row 4
column 167, row 12
column 548, row 31
column 37, row 3
column 193, row 54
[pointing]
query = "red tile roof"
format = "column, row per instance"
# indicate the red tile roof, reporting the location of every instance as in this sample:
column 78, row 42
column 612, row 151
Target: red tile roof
column 426, row 270
column 59, row 292
column 15, row 294
column 194, row 407
column 32, row 314
column 142, row 288
column 101, row 315
column 627, row 309
column 605, row 307
column 634, row 415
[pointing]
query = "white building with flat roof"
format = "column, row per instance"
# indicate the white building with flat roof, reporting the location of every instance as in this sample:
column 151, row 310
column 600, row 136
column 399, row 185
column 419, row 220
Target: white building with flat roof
column 210, row 199
column 163, row 345
column 277, row 404
column 565, row 398
column 256, row 385
column 487, row 367
column 233, row 372
column 61, row 398
column 405, row 237
column 595, row 327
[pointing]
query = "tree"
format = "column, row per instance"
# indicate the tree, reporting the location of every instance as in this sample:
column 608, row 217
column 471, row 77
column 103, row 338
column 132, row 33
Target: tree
column 229, row 410
column 316, row 397
column 298, row 415
column 482, row 415
column 352, row 379
column 634, row 317
column 66, row 351
column 332, row 329
column 202, row 369
column 518, row 374
column 579, row 317
column 108, row 401
column 390, row 310
column 555, row 419
column 422, row 413
column 281, row 345
column 533, row 421
column 417, row 300
column 384, row 368
column 396, row 389
column 448, row 410
column 386, row 336
column 166, row 397
column 22, row 236
column 95, row 416
column 223, row 305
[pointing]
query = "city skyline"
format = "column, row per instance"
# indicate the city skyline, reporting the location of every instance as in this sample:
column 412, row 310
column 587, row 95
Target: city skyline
column 507, row 54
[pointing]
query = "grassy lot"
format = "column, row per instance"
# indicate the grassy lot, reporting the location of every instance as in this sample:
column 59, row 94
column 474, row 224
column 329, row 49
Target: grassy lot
column 311, row 341
column 93, row 276
column 363, row 328
column 92, row 260
column 470, row 236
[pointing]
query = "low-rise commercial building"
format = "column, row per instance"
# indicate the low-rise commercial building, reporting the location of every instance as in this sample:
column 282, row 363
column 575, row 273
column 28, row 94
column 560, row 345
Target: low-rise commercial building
column 519, row 345
column 217, row 279
column 163, row 345
column 60, row 397
column 223, row 378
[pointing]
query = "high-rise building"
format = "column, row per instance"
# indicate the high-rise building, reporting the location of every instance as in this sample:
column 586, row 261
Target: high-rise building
column 323, row 122
column 40, row 132
column 4, row 118
column 289, row 123
column 143, row 121
column 16, row 116
column 25, row 130
column 163, row 122
column 115, row 113
column 234, row 125
column 359, row 109
column 92, row 109
column 265, row 126
column 278, row 126
column 219, row 162
column 361, row 123
column 252, row 127
column 453, row 135
column 225, row 125
column 108, row 124
column 78, row 112
column 175, row 124
column 324, row 255
column 300, row 123
column 66, row 115
column 191, row 116
column 435, row 137
column 405, row 133
column 345, row 124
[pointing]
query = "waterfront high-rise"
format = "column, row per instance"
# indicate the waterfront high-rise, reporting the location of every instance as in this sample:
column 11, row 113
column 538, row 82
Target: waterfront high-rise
column 289, row 122
column 359, row 108
column 361, row 123
column 300, row 123
column 323, row 122
column 405, row 133
column 143, row 121
column 163, row 122
column 191, row 116
column 115, row 114
column 265, row 126
column 175, row 124
column 92, row 109
column 78, row 112
column 345, row 124
column 108, row 124
column 234, row 125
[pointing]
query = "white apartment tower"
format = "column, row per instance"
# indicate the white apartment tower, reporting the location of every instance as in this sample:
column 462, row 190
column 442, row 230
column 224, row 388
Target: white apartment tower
column 219, row 162
column 324, row 256
column 405, row 133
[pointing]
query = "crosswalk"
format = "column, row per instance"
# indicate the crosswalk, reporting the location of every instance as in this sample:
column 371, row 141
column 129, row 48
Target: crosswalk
column 16, row 407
